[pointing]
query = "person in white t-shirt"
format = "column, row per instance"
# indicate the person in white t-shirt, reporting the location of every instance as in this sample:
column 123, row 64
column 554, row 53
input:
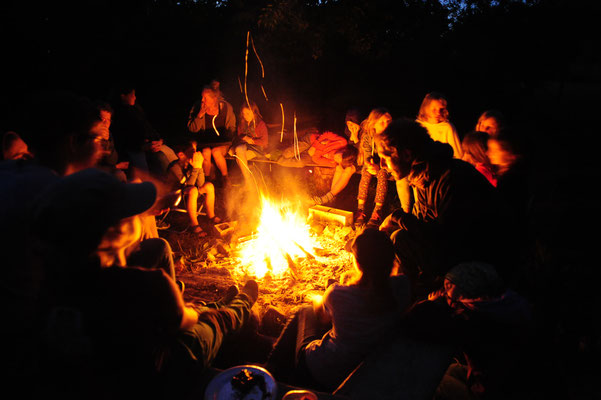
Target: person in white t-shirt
column 434, row 116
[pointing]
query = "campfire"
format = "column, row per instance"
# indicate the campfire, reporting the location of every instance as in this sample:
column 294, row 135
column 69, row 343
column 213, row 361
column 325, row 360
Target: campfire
column 283, row 235
column 292, row 253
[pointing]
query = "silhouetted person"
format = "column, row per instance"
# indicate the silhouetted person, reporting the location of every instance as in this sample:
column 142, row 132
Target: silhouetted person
column 475, row 147
column 114, row 330
column 136, row 139
column 322, row 344
column 64, row 134
column 493, row 327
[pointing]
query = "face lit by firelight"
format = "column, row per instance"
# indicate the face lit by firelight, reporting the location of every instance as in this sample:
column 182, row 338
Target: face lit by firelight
column 209, row 99
column 381, row 124
column 106, row 118
column 247, row 114
column 435, row 111
column 398, row 166
column 489, row 125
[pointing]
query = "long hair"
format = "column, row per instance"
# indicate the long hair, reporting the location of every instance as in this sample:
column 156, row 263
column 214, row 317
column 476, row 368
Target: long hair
column 367, row 129
column 252, row 107
column 349, row 155
column 494, row 114
column 429, row 98
column 475, row 144
column 368, row 124
column 353, row 115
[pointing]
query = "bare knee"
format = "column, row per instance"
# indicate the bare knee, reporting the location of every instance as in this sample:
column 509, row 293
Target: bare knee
column 241, row 151
column 193, row 193
column 207, row 188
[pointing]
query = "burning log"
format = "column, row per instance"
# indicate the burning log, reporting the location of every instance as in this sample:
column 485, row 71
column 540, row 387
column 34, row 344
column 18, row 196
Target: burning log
column 292, row 266
column 307, row 254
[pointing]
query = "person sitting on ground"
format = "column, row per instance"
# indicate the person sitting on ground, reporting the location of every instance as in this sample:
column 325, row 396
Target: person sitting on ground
column 110, row 160
column 136, row 139
column 346, row 166
column 252, row 139
column 322, row 344
column 475, row 147
column 457, row 214
column 186, row 173
column 493, row 327
column 376, row 122
column 122, row 331
column 212, row 124
column 434, row 116
column 14, row 148
column 491, row 122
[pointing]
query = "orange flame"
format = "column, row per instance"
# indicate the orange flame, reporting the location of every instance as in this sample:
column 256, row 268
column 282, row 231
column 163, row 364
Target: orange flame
column 282, row 235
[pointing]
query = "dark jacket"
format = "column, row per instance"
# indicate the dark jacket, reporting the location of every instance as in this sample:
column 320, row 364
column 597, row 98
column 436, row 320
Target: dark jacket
column 457, row 213
column 131, row 129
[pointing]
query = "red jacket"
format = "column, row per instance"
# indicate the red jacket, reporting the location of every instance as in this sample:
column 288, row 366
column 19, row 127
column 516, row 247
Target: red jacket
column 325, row 146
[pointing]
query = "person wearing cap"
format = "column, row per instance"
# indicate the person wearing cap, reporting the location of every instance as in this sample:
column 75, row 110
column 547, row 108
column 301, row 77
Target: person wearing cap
column 128, row 330
column 62, row 132
column 492, row 325
column 330, row 338
column 457, row 215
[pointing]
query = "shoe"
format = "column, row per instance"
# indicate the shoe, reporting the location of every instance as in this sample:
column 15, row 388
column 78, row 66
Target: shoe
column 229, row 295
column 273, row 322
column 360, row 218
column 376, row 218
column 251, row 289
column 197, row 230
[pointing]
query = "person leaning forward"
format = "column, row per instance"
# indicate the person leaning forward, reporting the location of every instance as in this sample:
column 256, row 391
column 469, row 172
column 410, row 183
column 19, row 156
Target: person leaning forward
column 456, row 216
column 133, row 333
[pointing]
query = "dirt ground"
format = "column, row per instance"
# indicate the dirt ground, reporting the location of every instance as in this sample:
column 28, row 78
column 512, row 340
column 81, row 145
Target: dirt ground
column 569, row 347
column 209, row 265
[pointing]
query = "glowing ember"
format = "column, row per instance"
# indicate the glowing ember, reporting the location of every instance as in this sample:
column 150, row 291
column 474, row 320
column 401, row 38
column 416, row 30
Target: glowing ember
column 282, row 235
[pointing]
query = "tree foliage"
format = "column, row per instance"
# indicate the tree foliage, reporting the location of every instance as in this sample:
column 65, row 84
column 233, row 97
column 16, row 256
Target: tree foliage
column 326, row 53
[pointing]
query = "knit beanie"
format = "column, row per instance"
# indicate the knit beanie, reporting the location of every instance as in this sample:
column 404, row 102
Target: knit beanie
column 476, row 280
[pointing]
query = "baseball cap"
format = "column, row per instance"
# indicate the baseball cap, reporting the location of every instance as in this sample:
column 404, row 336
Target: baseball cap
column 82, row 206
